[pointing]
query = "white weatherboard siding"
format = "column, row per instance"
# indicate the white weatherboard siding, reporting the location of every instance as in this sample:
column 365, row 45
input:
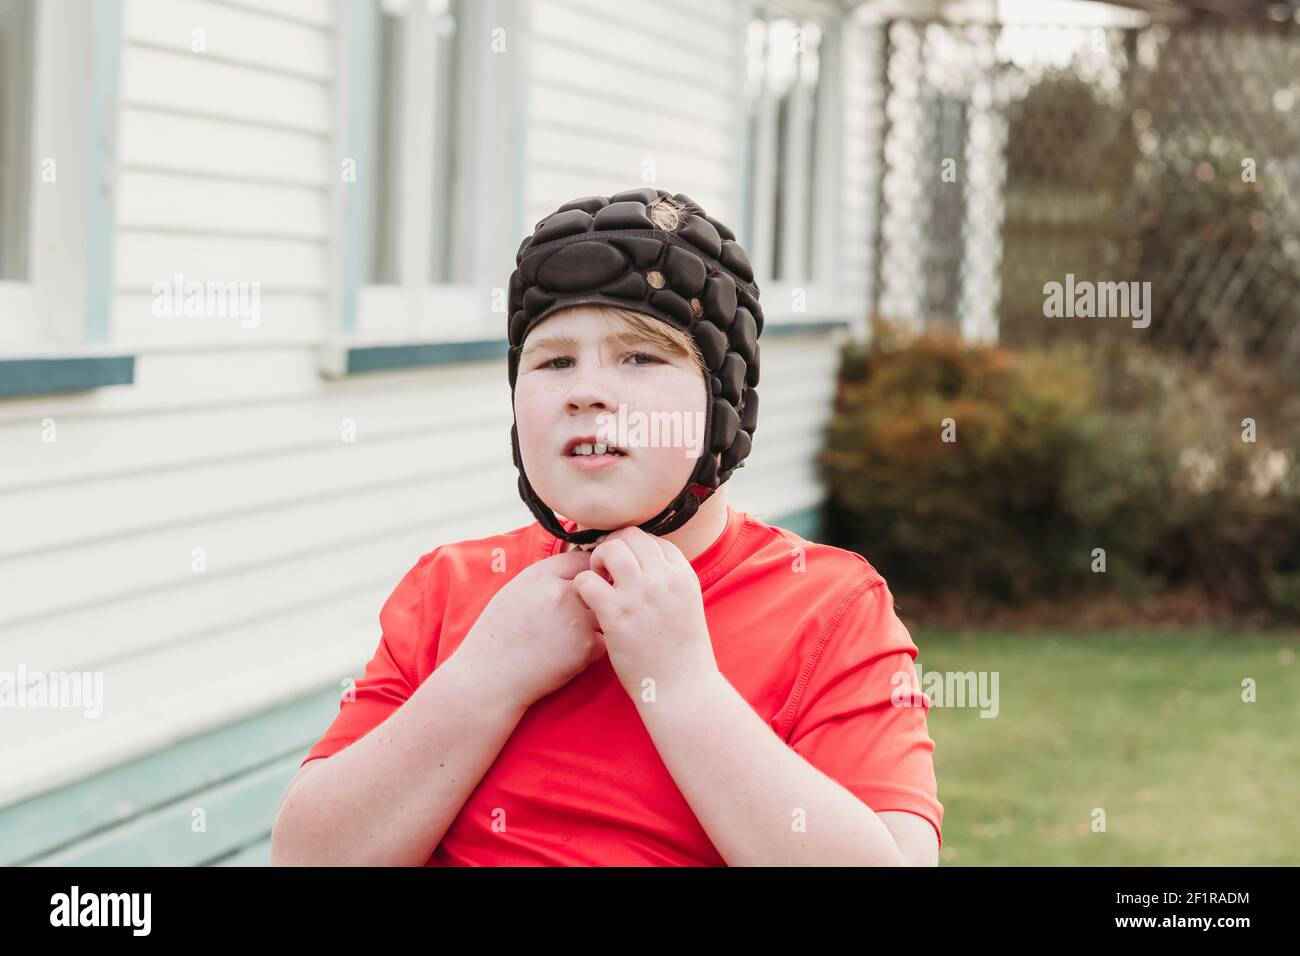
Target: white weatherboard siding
column 223, row 166
column 796, row 391
column 231, row 441
column 304, row 536
column 607, row 94
column 224, row 159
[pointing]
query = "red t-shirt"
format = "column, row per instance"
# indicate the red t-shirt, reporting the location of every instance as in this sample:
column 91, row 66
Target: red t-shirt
column 805, row 632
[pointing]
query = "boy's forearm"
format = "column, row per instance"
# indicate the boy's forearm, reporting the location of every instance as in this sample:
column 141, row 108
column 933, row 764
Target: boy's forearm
column 388, row 798
column 759, row 801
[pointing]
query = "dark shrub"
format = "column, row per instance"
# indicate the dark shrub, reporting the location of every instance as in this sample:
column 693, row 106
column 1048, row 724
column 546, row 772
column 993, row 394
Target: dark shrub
column 1056, row 454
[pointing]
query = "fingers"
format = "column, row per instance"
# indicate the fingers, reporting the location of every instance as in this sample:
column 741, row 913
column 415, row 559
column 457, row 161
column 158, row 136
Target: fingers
column 615, row 559
column 569, row 564
column 619, row 555
column 672, row 554
column 645, row 548
column 591, row 589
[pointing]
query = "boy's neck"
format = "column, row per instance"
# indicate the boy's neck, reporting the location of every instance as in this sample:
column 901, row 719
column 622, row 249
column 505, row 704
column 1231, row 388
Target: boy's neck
column 704, row 528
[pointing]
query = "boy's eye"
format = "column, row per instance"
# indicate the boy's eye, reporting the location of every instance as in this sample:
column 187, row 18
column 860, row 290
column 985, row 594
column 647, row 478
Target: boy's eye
column 550, row 363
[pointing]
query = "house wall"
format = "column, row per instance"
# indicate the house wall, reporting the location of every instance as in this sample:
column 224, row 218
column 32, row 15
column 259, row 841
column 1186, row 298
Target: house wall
column 208, row 537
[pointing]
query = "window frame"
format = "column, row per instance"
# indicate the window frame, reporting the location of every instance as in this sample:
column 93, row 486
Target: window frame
column 14, row 96
column 820, row 141
column 416, row 311
column 56, row 333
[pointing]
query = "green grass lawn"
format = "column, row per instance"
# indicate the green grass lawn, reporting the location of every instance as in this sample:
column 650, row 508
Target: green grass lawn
column 1151, row 728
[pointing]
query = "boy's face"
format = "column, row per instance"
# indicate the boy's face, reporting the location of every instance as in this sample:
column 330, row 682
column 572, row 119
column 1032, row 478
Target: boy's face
column 580, row 377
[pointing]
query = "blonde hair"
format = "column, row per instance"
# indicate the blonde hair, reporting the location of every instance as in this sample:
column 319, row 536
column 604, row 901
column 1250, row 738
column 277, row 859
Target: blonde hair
column 655, row 331
column 667, row 213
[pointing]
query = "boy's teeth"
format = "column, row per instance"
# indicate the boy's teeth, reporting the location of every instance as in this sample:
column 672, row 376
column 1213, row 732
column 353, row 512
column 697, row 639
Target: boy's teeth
column 588, row 448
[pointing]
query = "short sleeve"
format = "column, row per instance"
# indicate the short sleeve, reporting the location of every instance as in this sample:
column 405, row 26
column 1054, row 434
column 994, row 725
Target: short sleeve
column 389, row 678
column 858, row 720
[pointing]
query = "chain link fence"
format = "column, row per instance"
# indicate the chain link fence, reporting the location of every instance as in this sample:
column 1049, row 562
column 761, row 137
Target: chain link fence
column 1012, row 156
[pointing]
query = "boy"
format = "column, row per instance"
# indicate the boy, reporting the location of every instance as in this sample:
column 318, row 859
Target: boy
column 698, row 688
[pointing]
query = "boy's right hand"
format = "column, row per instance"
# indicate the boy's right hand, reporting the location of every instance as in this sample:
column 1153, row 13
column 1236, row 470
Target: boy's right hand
column 535, row 634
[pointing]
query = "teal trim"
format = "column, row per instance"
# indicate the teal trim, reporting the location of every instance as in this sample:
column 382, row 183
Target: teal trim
column 258, row 854
column 106, row 29
column 379, row 358
column 140, row 811
column 43, row 376
column 778, row 330
column 359, row 195
column 233, row 814
column 807, row 523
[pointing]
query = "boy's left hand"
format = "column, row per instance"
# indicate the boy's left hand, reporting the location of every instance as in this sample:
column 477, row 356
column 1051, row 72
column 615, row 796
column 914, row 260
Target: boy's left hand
column 647, row 601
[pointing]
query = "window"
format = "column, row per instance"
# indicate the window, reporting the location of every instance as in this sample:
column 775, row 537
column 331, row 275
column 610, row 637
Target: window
column 435, row 92
column 16, row 42
column 390, row 60
column 786, row 105
column 452, row 136
column 58, row 89
column 422, row 141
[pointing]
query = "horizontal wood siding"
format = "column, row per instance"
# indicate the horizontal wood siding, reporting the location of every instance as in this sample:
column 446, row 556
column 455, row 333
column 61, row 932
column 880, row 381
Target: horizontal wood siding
column 224, row 144
column 614, row 86
column 218, row 678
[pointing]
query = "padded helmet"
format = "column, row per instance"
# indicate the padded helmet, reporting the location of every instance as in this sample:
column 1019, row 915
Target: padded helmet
column 608, row 250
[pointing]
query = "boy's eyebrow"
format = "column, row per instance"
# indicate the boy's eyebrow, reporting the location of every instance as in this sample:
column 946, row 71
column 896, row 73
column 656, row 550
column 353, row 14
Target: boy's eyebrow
column 567, row 341
column 550, row 341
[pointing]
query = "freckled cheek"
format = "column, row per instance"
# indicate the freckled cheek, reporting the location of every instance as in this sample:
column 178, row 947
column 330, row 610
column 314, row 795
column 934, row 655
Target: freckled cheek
column 534, row 420
column 674, row 391
column 681, row 395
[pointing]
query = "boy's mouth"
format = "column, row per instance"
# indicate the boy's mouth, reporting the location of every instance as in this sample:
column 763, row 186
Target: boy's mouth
column 586, row 446
column 586, row 454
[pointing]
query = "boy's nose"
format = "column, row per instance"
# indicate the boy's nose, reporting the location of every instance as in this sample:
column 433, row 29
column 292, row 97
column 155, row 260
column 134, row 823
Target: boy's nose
column 578, row 402
column 589, row 392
